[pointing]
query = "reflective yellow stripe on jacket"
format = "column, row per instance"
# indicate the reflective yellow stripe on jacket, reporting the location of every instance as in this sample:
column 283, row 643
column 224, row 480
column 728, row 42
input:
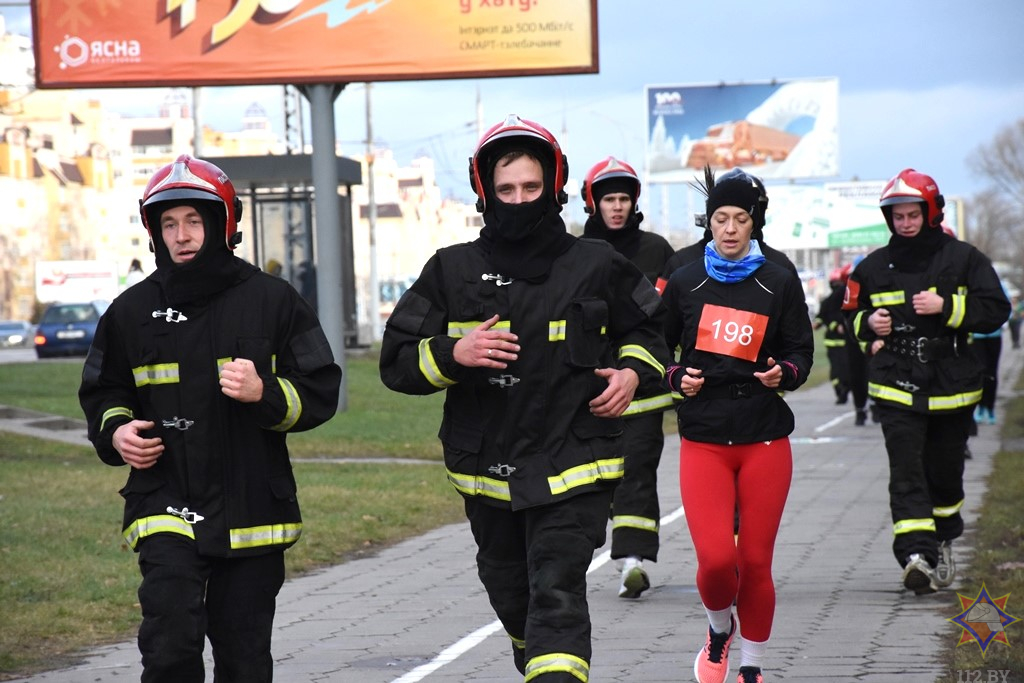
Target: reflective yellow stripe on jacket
column 119, row 411
column 475, row 485
column 883, row 299
column 460, row 328
column 641, row 354
column 266, row 535
column 935, row 403
column 429, row 367
column 157, row 524
column 252, row 537
column 647, row 405
column 293, row 406
column 959, row 310
column 160, row 373
column 588, row 473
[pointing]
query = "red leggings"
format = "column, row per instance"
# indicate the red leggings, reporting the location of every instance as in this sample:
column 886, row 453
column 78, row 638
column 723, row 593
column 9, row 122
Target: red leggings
column 712, row 477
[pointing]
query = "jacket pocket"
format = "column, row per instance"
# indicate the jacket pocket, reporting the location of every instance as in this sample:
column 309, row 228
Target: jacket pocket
column 141, row 482
column 461, row 435
column 283, row 487
column 258, row 350
column 585, row 325
column 587, row 426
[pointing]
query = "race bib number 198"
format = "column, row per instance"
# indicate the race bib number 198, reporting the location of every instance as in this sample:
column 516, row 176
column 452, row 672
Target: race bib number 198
column 731, row 332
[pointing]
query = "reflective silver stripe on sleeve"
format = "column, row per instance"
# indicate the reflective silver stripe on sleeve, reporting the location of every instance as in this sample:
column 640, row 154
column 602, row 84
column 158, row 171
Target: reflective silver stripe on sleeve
column 115, row 412
column 293, row 406
column 428, row 366
column 641, row 354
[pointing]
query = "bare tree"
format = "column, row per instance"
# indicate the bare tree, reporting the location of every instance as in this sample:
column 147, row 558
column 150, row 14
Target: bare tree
column 993, row 223
column 995, row 217
column 1002, row 162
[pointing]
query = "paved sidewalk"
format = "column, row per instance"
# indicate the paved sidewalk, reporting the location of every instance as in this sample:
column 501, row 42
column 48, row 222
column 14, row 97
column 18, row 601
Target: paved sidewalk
column 416, row 612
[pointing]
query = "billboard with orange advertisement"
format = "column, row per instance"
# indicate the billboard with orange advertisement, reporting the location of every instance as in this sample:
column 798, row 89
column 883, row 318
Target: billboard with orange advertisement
column 143, row 43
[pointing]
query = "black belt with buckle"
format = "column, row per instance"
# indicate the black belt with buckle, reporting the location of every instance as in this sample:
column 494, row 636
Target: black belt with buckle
column 923, row 349
column 733, row 391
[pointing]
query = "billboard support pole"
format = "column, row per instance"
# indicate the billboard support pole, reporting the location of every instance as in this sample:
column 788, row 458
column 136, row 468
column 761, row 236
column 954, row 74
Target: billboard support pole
column 328, row 225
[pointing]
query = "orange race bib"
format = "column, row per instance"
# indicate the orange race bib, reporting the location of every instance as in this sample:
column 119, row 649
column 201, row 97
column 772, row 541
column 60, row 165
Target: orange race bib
column 731, row 332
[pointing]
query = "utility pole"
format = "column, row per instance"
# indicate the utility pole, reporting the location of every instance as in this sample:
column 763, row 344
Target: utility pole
column 197, row 124
column 298, row 232
column 371, row 217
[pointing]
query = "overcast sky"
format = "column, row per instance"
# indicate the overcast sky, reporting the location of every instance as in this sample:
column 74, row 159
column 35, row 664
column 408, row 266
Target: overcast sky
column 921, row 84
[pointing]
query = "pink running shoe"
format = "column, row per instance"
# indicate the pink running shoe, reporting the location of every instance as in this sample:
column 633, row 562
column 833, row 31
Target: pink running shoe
column 712, row 663
column 750, row 674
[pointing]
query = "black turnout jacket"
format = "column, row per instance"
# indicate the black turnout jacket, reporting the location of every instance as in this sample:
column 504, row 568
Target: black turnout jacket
column 524, row 436
column 224, row 478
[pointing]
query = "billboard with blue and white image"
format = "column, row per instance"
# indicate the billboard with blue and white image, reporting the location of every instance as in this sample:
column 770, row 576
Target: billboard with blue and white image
column 775, row 130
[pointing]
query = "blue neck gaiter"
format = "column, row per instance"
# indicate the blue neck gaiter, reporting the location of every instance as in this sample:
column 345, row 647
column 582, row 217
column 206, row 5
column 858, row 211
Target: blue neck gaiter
column 724, row 270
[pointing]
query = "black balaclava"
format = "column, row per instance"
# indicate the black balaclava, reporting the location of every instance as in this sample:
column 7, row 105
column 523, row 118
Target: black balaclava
column 214, row 267
column 913, row 254
column 523, row 240
column 626, row 239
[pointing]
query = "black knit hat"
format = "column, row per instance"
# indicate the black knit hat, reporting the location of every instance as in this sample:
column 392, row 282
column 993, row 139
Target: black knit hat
column 735, row 188
column 734, row 191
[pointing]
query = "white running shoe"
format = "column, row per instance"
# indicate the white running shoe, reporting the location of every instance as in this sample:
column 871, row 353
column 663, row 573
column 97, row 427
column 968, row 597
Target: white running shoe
column 918, row 576
column 634, row 578
column 945, row 570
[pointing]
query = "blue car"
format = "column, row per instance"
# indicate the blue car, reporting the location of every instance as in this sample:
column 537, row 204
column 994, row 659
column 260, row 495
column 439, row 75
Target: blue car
column 68, row 329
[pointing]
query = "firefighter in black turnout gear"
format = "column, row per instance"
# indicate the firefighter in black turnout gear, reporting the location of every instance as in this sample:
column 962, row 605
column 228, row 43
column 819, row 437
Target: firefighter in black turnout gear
column 913, row 303
column 540, row 341
column 610, row 193
column 195, row 377
column 830, row 316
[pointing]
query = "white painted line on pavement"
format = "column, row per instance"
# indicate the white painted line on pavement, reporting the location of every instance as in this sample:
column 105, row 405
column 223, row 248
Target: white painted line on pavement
column 832, row 423
column 453, row 652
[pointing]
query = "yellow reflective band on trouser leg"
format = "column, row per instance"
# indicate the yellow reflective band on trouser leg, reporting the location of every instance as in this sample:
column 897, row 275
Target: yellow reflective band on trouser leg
column 908, row 526
column 634, row 522
column 948, row 510
column 557, row 662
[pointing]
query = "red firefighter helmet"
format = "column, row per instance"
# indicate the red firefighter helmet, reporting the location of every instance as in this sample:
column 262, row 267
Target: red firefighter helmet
column 606, row 170
column 532, row 135
column 909, row 186
column 190, row 178
column 841, row 274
